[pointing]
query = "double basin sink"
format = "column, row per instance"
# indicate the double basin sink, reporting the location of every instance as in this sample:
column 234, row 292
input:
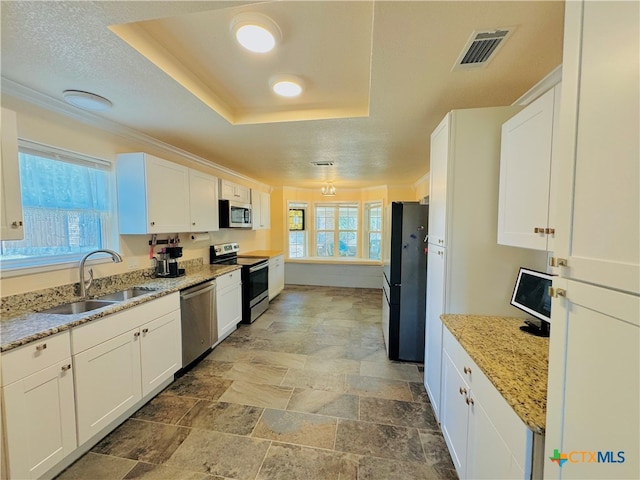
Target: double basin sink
column 83, row 306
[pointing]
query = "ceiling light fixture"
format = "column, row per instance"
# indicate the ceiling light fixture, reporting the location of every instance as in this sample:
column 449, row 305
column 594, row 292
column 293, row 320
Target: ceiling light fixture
column 86, row 100
column 255, row 32
column 328, row 190
column 287, row 85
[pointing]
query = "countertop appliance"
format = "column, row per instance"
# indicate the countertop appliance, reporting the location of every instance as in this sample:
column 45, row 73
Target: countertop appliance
column 167, row 263
column 405, row 280
column 254, row 274
column 198, row 319
column 232, row 214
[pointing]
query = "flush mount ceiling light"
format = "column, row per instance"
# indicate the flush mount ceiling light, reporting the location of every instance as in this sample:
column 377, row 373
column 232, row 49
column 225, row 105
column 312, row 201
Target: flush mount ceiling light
column 86, row 100
column 287, row 85
column 255, row 32
column 328, row 190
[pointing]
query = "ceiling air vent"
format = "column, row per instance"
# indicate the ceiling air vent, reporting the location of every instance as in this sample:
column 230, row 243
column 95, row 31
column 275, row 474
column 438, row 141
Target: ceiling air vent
column 323, row 164
column 481, row 47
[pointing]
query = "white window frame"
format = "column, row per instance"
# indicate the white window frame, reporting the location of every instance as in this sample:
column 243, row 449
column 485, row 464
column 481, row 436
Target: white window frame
column 366, row 233
column 305, row 233
column 336, row 231
column 17, row 267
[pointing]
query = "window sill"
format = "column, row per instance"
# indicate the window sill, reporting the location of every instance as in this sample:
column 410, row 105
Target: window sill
column 335, row 261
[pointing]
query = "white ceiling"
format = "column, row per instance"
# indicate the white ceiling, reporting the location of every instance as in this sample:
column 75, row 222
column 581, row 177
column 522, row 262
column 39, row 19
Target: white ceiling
column 378, row 76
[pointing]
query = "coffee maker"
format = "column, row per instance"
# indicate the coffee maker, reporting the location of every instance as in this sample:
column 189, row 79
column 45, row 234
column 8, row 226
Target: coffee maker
column 167, row 263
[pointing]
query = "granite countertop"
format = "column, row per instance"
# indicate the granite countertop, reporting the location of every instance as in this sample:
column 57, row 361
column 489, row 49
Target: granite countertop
column 515, row 362
column 262, row 253
column 27, row 327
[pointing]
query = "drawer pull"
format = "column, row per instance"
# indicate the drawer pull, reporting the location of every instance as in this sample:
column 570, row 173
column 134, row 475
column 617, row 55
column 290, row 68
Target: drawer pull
column 470, row 401
column 136, row 334
column 145, row 330
column 463, row 391
column 466, row 370
column 66, row 367
column 42, row 346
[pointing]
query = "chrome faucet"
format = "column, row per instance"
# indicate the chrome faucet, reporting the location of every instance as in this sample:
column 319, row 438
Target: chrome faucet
column 84, row 286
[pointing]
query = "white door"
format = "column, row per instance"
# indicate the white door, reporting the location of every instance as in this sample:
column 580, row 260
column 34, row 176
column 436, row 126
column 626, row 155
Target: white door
column 11, row 227
column 438, row 183
column 600, row 122
column 203, row 202
column 167, row 196
column 107, row 382
column 40, row 420
column 160, row 350
column 433, row 328
column 525, row 168
column 594, row 389
column 454, row 413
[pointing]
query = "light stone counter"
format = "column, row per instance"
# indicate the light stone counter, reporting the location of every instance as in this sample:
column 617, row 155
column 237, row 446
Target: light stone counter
column 262, row 253
column 515, row 362
column 27, row 325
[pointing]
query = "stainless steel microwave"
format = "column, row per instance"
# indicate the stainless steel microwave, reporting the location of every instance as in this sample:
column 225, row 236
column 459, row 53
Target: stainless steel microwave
column 234, row 214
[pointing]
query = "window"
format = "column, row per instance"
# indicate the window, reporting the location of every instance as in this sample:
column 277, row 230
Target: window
column 336, row 224
column 373, row 234
column 297, row 230
column 66, row 206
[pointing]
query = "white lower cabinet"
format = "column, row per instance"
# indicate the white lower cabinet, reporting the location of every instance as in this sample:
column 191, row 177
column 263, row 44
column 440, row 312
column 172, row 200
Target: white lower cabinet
column 228, row 303
column 485, row 437
column 121, row 359
column 276, row 276
column 433, row 327
column 39, row 408
column 107, row 382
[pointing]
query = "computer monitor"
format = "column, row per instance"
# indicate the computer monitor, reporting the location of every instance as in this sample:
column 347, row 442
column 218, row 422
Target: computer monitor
column 531, row 295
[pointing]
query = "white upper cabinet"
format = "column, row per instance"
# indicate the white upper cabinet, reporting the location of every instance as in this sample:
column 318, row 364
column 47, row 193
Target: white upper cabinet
column 11, row 227
column 233, row 191
column 203, row 201
column 153, row 195
column 599, row 198
column 261, row 209
column 526, row 177
column 438, row 183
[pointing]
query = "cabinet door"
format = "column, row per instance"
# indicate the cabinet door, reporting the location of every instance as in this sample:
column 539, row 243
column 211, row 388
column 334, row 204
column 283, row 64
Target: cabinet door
column 167, row 196
column 525, row 168
column 454, row 413
column 203, row 202
column 263, row 212
column 107, row 382
column 594, row 392
column 433, row 329
column 242, row 193
column 488, row 456
column 160, row 350
column 11, row 227
column 229, row 310
column 438, row 183
column 276, row 276
column 40, row 420
column 600, row 125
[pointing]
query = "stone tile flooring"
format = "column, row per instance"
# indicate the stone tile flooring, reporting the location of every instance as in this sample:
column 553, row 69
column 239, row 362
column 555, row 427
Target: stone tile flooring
column 305, row 392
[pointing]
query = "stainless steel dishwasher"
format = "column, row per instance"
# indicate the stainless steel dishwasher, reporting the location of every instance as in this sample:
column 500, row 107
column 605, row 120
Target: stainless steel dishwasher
column 198, row 318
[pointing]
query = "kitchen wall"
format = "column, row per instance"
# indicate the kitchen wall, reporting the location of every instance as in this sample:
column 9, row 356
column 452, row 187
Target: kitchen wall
column 43, row 126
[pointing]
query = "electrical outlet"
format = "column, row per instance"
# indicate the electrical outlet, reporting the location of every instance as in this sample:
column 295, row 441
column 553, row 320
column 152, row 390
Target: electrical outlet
column 133, row 263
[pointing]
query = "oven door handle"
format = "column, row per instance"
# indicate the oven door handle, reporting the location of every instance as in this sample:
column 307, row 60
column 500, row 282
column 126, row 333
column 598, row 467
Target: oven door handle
column 260, row 266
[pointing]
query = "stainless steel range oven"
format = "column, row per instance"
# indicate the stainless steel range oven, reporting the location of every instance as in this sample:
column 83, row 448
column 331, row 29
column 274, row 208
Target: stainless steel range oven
column 255, row 278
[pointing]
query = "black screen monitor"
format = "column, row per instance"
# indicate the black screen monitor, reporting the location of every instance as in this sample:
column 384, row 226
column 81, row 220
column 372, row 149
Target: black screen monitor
column 531, row 295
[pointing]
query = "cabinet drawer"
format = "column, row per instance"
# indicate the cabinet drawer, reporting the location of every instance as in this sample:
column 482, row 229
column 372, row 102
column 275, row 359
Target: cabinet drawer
column 103, row 329
column 29, row 359
column 461, row 359
column 227, row 280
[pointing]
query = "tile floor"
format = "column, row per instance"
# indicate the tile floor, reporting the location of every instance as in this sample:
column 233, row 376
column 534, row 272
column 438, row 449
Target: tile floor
column 305, row 392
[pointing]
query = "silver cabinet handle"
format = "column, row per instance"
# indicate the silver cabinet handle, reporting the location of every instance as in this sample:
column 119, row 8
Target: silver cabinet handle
column 136, row 334
column 66, row 367
column 145, row 330
column 467, row 370
column 42, row 346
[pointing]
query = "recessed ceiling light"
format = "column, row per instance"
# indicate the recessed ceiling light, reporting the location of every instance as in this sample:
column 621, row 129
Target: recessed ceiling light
column 287, row 85
column 255, row 32
column 86, row 100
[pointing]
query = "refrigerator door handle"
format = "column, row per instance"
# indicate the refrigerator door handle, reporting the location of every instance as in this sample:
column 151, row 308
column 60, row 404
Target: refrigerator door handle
column 426, row 237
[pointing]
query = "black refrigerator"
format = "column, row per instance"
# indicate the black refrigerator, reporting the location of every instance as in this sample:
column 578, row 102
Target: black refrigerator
column 405, row 280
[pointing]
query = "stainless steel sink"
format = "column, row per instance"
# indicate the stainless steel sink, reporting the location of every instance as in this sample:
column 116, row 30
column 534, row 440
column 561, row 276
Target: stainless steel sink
column 81, row 306
column 126, row 294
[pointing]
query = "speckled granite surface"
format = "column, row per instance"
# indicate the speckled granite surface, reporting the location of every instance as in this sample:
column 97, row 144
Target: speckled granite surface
column 24, row 324
column 515, row 362
column 262, row 253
